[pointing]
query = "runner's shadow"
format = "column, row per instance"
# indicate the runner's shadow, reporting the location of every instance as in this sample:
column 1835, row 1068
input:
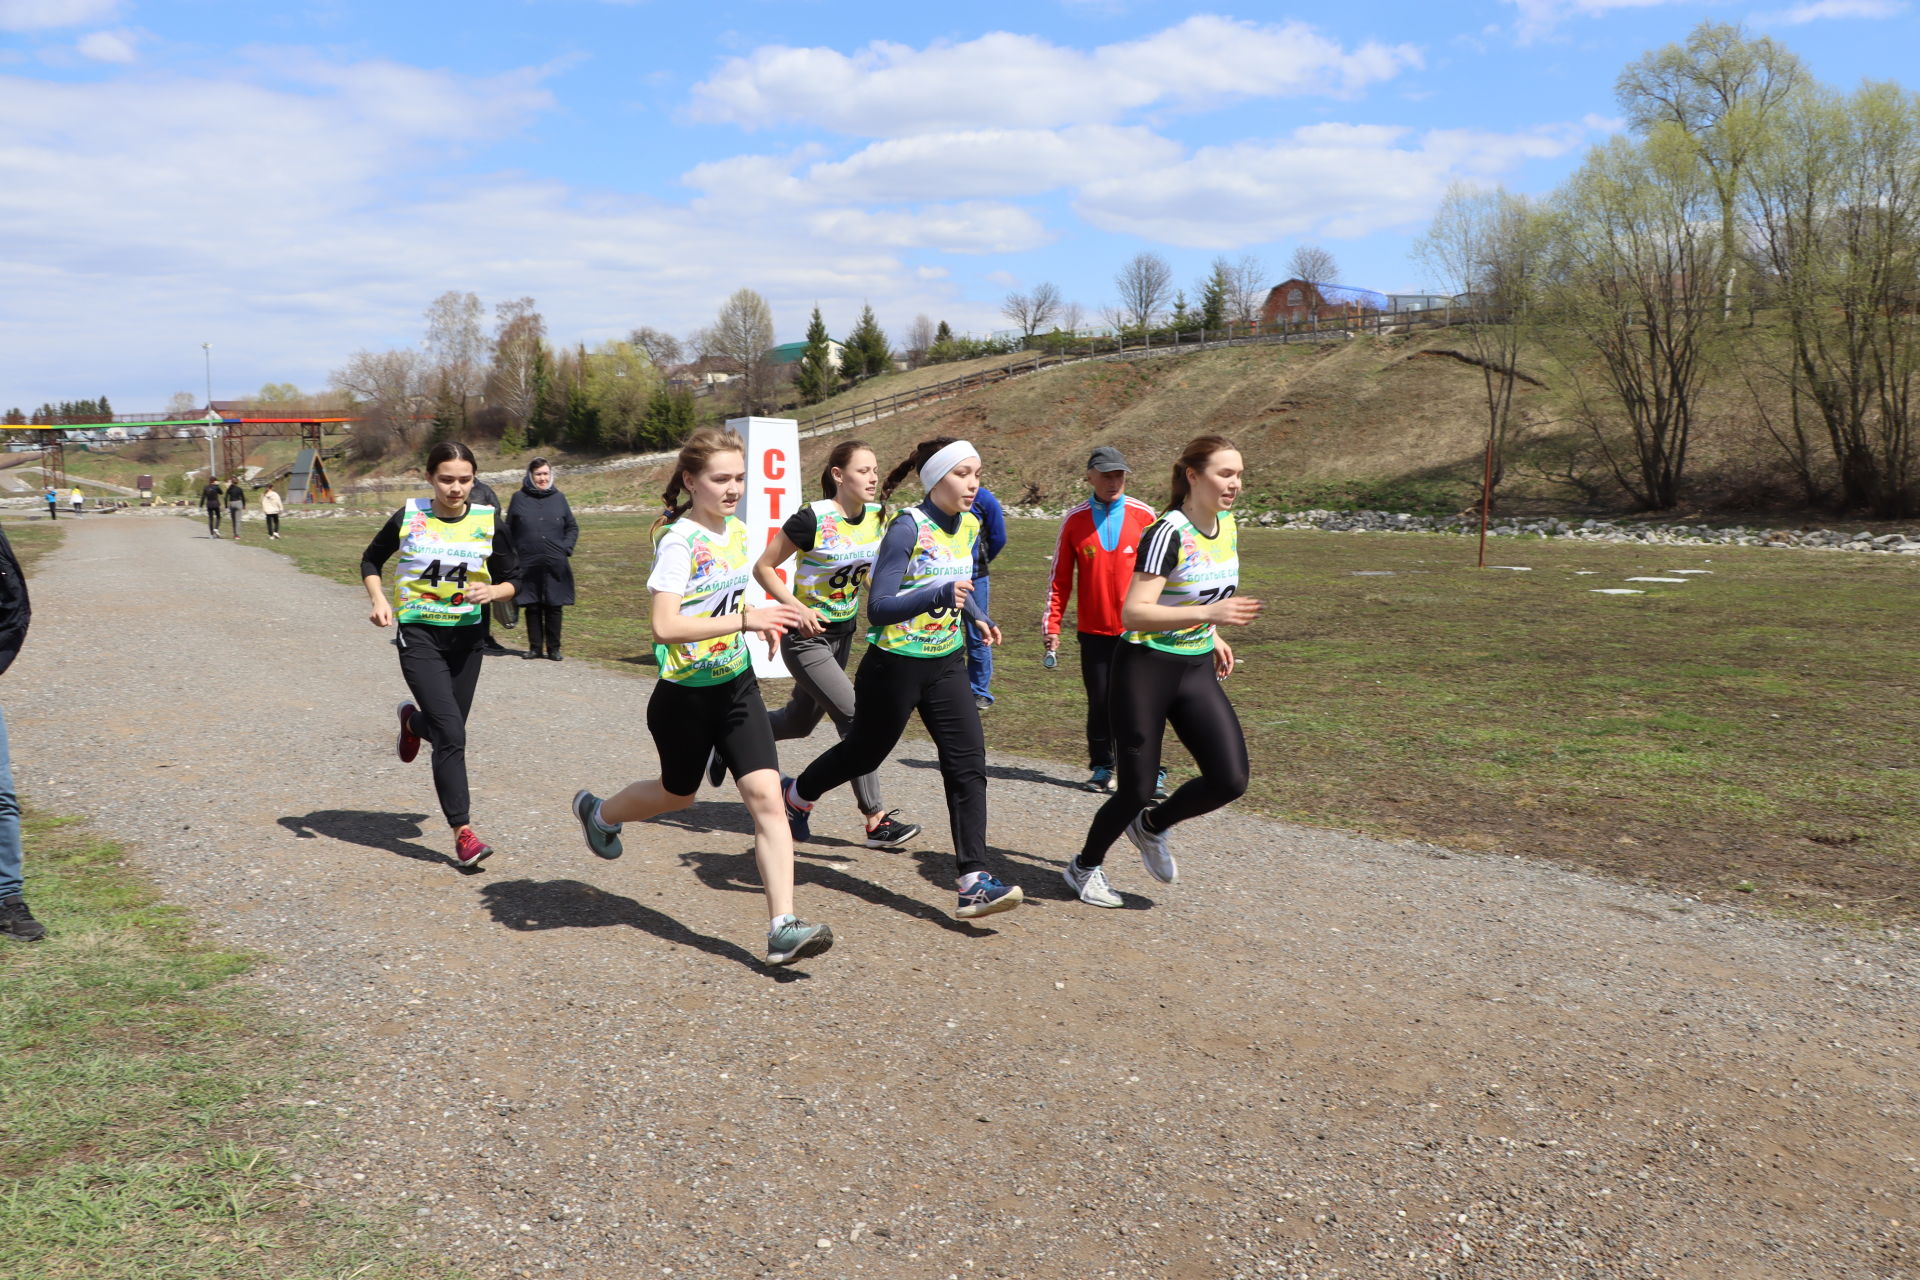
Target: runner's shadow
column 387, row 832
column 1003, row 772
column 727, row 815
column 737, row 873
column 529, row 906
column 1044, row 885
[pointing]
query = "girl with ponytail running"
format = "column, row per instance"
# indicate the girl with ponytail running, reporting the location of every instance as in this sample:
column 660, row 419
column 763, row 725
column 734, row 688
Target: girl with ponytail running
column 917, row 600
column 1170, row 667
column 455, row 560
column 834, row 541
column 707, row 700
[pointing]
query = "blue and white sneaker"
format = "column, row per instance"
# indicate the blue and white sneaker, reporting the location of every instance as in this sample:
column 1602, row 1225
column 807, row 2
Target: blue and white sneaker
column 604, row 843
column 1160, row 786
column 796, row 818
column 986, row 896
column 1101, row 782
column 795, row 939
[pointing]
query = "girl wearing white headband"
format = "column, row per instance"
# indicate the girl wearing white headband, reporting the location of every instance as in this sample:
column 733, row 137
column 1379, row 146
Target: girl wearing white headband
column 917, row 601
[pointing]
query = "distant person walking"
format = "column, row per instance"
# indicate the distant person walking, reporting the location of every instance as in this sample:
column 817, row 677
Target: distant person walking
column 53, row 503
column 1098, row 542
column 544, row 535
column 16, row 611
column 1170, row 669
column 79, row 500
column 211, row 498
column 236, row 503
column 455, row 559
column 993, row 539
column 271, row 507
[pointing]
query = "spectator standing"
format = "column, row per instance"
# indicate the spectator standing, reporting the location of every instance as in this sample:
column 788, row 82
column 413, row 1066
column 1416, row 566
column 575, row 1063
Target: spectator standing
column 544, row 534
column 993, row 539
column 271, row 507
column 15, row 613
column 211, row 498
column 1099, row 540
column 53, row 503
column 236, row 503
column 79, row 499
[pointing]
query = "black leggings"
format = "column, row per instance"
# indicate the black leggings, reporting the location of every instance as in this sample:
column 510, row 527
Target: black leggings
column 213, row 521
column 1096, row 673
column 887, row 690
column 441, row 666
column 1152, row 690
column 543, row 627
column 273, row 523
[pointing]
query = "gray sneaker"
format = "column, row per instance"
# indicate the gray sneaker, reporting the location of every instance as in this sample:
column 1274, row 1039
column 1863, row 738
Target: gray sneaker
column 605, row 844
column 796, row 940
column 1154, row 853
column 1091, row 884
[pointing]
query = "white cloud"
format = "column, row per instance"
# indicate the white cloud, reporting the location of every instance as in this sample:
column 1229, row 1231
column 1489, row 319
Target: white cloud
column 1009, row 81
column 1540, row 18
column 44, row 15
column 109, row 46
column 971, row 227
column 1335, row 180
column 1822, row 9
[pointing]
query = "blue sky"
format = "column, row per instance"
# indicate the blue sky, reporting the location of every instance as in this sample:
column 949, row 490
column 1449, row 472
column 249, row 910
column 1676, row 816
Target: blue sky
column 292, row 182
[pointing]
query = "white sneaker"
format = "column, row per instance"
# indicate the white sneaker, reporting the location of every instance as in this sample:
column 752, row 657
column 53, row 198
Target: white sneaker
column 1091, row 884
column 1154, row 853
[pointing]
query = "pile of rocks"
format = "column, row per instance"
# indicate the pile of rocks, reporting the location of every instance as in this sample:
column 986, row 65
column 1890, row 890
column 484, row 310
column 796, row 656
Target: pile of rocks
column 1690, row 535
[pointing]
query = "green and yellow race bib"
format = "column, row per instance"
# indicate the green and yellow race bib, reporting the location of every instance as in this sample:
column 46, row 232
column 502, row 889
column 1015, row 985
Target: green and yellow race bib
column 1198, row 570
column 439, row 561
column 937, row 557
column 828, row 579
column 717, row 575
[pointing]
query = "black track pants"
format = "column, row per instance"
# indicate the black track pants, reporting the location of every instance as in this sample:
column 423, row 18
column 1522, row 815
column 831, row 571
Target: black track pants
column 887, row 690
column 1096, row 673
column 543, row 627
column 1152, row 690
column 213, row 521
column 441, row 666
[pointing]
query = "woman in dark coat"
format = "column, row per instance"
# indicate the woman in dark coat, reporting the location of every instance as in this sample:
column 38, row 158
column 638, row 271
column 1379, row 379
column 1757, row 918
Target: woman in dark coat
column 544, row 532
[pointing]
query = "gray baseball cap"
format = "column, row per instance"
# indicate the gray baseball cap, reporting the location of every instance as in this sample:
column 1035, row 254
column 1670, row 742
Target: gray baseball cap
column 1107, row 458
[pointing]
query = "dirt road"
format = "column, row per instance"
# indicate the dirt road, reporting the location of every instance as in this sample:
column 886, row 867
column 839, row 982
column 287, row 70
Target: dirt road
column 1319, row 1055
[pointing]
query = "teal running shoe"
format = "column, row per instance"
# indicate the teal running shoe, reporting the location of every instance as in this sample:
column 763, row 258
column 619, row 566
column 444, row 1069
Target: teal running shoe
column 604, row 843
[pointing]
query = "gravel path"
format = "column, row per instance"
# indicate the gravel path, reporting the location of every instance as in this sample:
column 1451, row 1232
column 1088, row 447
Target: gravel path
column 1318, row 1056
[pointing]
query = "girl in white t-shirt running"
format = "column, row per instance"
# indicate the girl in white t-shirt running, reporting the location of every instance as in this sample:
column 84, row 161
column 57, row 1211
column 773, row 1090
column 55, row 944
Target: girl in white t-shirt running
column 707, row 700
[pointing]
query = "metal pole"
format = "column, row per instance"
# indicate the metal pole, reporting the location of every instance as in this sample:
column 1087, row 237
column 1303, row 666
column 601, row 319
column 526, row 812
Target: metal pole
column 206, row 349
column 1486, row 498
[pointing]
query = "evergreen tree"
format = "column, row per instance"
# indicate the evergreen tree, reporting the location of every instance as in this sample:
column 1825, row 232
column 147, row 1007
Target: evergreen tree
column 669, row 417
column 106, row 410
column 1214, row 295
column 544, row 423
column 944, row 333
column 816, row 377
column 15, row 418
column 867, row 350
column 583, row 419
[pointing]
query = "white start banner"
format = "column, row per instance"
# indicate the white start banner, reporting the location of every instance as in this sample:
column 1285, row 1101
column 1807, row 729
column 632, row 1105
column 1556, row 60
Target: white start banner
column 773, row 492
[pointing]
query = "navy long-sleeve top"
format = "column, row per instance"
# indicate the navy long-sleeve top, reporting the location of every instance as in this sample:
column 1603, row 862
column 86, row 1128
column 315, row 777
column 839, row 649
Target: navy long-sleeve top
column 993, row 530
column 886, row 603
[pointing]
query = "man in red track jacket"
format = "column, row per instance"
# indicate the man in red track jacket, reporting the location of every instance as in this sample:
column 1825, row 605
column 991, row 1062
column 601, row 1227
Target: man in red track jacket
column 1098, row 541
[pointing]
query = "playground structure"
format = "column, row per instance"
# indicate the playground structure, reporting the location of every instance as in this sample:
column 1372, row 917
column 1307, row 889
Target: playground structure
column 307, row 477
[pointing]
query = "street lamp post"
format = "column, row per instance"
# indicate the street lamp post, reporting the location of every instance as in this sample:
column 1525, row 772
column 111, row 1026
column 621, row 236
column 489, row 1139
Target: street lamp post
column 206, row 349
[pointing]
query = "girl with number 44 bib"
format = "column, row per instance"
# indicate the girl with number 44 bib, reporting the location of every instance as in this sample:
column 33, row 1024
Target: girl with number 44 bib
column 707, row 700
column 1170, row 667
column 455, row 560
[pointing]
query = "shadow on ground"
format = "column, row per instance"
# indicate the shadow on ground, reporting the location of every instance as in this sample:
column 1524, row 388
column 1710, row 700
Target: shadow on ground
column 529, row 906
column 736, row 873
column 387, row 832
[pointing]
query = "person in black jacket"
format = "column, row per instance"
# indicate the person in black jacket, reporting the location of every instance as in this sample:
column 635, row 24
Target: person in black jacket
column 236, row 503
column 211, row 497
column 482, row 495
column 544, row 534
column 15, row 613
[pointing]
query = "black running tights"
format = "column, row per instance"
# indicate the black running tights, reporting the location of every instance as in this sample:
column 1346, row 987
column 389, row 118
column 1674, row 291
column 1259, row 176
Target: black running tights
column 887, row 690
column 1152, row 690
column 441, row 666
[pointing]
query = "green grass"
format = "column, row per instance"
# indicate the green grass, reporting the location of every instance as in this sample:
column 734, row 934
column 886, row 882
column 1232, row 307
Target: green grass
column 146, row 1098
column 1756, row 727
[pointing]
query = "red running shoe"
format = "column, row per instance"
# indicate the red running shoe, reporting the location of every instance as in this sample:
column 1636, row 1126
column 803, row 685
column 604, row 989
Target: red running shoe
column 407, row 745
column 469, row 850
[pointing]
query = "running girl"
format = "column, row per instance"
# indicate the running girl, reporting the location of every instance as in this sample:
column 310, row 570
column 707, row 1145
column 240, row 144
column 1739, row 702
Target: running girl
column 835, row 540
column 707, row 700
column 917, row 601
column 455, row 560
column 1169, row 670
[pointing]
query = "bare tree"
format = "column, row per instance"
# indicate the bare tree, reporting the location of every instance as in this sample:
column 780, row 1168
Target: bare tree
column 1073, row 317
column 1312, row 263
column 520, row 335
column 919, row 339
column 740, row 338
column 386, row 390
column 1247, row 286
column 1032, row 312
column 660, row 346
column 456, row 350
column 1144, row 284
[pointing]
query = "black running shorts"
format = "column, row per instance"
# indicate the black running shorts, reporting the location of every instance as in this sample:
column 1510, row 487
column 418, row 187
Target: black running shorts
column 689, row 723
